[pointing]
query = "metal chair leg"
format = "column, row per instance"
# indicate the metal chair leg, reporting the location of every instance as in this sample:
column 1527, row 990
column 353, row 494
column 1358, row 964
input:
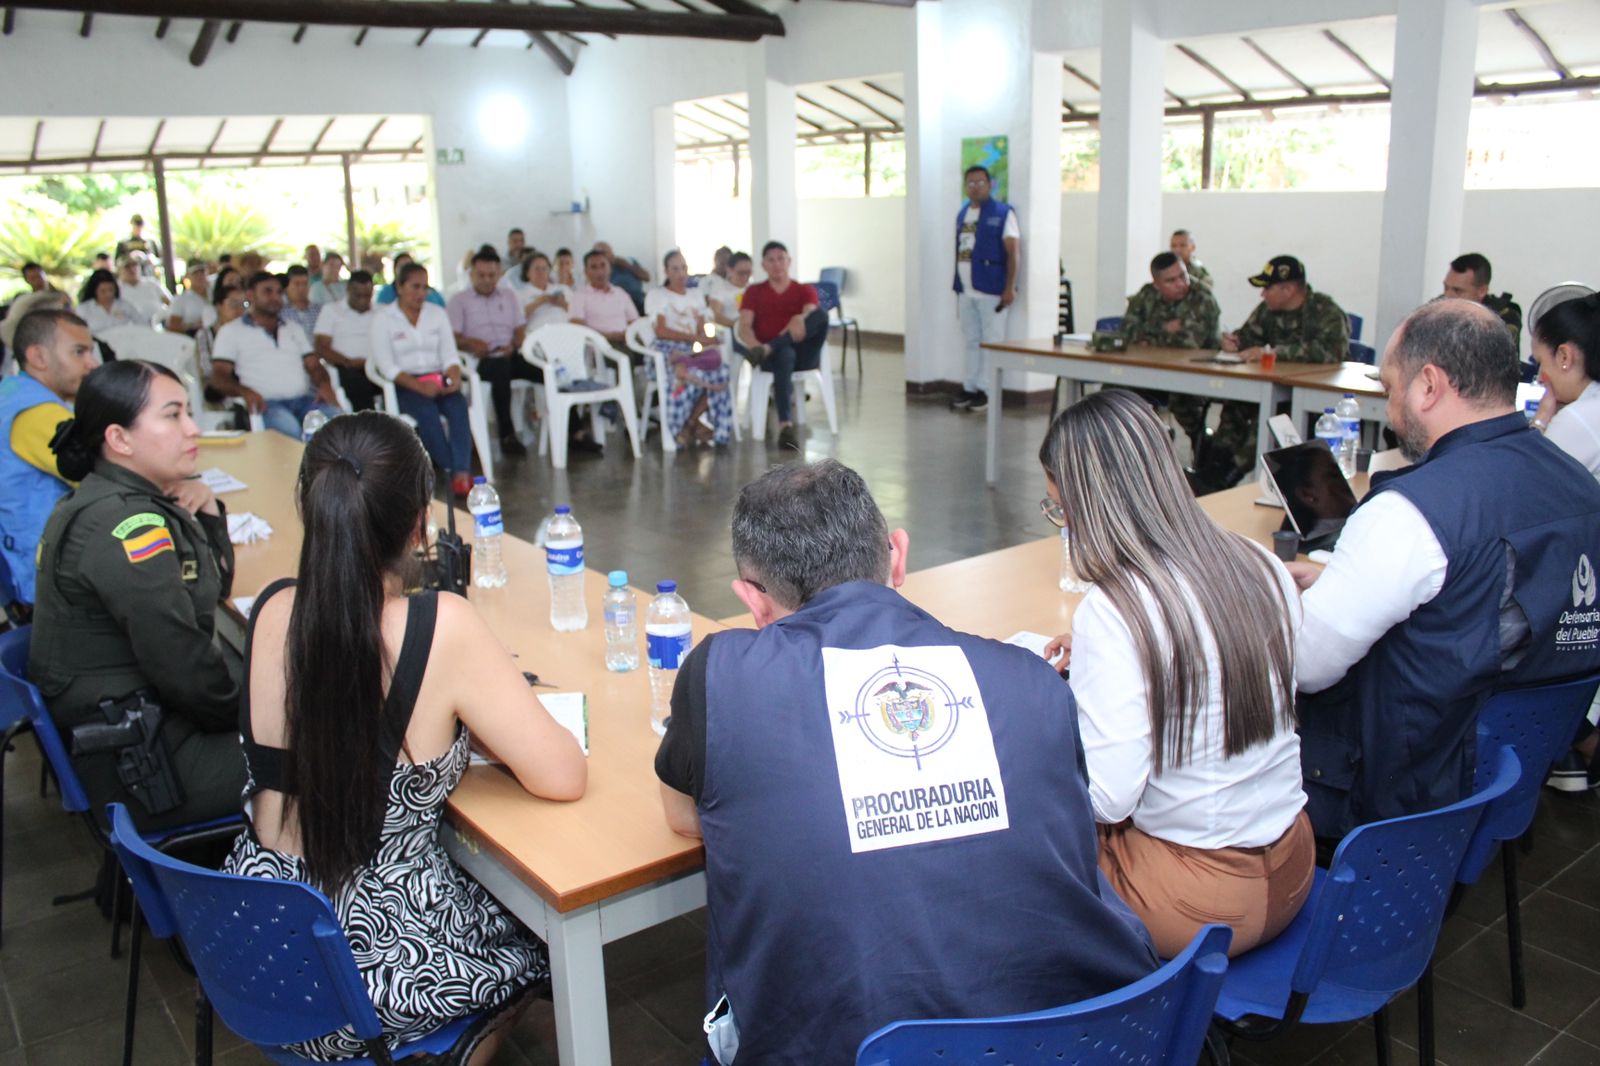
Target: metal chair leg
column 1519, row 989
column 131, row 1007
column 116, row 910
column 1380, row 1025
column 202, row 1026
column 1425, row 1054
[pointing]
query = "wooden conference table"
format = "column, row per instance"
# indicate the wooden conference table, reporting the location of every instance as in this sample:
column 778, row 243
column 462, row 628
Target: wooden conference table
column 578, row 874
column 1183, row 370
column 586, row 873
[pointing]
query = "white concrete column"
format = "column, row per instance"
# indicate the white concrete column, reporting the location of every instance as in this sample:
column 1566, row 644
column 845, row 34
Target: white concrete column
column 1036, row 188
column 774, row 209
column 1131, row 67
column 664, row 166
column 933, row 337
column 1435, row 44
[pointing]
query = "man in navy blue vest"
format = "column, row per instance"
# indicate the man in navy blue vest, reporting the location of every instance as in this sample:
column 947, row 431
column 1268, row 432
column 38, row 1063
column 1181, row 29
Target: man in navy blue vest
column 895, row 814
column 987, row 236
column 54, row 354
column 1454, row 577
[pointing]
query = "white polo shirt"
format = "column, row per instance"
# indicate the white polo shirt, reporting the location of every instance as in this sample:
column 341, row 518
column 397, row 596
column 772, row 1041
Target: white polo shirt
column 349, row 329
column 274, row 367
column 194, row 309
column 147, row 299
column 398, row 347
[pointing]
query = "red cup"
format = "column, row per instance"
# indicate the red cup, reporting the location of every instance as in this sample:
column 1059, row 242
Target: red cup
column 1269, row 359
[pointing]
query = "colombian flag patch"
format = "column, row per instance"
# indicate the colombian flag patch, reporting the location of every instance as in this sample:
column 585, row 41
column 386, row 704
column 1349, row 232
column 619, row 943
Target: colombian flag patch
column 147, row 545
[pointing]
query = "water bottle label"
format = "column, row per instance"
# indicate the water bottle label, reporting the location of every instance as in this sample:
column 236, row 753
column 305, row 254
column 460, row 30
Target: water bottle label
column 618, row 618
column 563, row 562
column 488, row 523
column 667, row 650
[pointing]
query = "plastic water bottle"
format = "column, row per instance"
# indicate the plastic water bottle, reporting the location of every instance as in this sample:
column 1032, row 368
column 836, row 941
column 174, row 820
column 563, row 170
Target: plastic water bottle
column 1330, row 431
column 622, row 624
column 563, row 377
column 313, row 421
column 488, row 567
column 1530, row 410
column 667, row 637
column 563, row 555
column 1070, row 581
column 1349, row 413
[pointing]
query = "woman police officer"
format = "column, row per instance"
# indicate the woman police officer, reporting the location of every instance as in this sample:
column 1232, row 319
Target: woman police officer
column 132, row 567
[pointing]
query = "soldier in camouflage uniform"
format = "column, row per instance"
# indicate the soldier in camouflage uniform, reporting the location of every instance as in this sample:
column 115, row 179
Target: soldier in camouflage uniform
column 1468, row 279
column 1182, row 246
column 1302, row 326
column 1171, row 312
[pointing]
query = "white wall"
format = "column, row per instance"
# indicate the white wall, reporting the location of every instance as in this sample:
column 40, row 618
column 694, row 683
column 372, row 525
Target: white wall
column 868, row 238
column 1336, row 236
column 49, row 71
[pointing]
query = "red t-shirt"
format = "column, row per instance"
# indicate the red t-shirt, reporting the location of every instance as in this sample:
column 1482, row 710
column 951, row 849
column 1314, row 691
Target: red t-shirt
column 773, row 310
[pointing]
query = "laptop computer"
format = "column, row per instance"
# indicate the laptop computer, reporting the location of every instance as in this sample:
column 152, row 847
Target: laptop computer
column 1317, row 497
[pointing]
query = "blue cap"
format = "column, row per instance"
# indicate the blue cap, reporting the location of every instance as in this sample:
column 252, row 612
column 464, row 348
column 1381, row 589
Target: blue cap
column 480, row 480
column 562, row 508
column 1349, row 395
column 617, row 578
column 666, row 586
column 1327, row 410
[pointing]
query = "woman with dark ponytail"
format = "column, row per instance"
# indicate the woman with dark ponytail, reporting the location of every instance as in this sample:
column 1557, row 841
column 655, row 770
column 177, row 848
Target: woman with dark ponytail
column 355, row 725
column 1566, row 343
column 132, row 567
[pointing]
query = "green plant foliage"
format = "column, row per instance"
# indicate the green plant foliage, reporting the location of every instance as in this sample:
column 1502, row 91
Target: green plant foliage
column 210, row 227
column 38, row 230
column 383, row 237
column 90, row 194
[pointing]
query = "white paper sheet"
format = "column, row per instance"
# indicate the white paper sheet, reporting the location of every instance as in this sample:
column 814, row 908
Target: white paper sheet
column 219, row 481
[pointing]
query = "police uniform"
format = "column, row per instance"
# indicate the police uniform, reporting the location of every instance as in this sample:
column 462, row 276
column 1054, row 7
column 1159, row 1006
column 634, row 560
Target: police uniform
column 128, row 589
column 1318, row 331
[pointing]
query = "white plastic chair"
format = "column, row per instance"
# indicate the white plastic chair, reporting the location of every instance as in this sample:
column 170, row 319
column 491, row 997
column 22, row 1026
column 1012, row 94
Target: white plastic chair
column 641, row 334
column 174, row 351
column 566, row 345
column 756, row 385
column 477, row 416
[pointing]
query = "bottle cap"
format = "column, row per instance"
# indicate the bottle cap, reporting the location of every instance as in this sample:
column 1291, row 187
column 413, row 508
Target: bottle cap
column 562, row 508
column 1327, row 410
column 617, row 578
column 666, row 586
column 1349, row 395
column 480, row 480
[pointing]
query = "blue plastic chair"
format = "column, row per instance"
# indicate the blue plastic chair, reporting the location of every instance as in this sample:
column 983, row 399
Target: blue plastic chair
column 270, row 957
column 830, row 290
column 1355, row 326
column 1363, row 353
column 74, row 800
column 1160, row 1018
column 1108, row 325
column 1368, row 930
column 1538, row 724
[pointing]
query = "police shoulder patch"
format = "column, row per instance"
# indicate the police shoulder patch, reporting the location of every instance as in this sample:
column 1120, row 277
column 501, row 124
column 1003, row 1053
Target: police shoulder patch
column 138, row 521
column 147, row 545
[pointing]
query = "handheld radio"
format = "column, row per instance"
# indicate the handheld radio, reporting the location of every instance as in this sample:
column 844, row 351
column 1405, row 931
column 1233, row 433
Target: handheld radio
column 452, row 557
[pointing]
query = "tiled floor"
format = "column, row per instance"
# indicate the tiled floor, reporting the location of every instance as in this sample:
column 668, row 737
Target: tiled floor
column 668, row 516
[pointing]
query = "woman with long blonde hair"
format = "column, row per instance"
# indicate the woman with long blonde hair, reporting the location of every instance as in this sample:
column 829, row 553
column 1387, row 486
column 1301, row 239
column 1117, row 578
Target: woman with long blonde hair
column 1182, row 665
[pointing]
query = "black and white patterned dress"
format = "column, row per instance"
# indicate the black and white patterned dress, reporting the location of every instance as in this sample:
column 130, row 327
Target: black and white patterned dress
column 431, row 944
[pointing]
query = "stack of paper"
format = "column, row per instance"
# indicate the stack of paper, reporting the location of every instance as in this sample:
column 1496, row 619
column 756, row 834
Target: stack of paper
column 219, row 481
column 247, row 528
column 571, row 712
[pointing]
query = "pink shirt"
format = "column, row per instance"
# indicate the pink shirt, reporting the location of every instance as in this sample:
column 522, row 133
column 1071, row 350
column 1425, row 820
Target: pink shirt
column 609, row 311
column 493, row 319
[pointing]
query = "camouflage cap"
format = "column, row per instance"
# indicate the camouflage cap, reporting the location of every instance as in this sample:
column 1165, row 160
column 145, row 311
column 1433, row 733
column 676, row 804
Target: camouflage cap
column 1279, row 268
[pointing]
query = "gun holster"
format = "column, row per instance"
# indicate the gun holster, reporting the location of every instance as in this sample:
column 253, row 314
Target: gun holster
column 132, row 730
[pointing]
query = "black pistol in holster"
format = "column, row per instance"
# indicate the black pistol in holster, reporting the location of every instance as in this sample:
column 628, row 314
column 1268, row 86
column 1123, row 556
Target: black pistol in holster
column 132, row 729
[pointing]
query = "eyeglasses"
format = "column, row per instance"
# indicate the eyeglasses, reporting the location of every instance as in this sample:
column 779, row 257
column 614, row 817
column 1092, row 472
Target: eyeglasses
column 1053, row 513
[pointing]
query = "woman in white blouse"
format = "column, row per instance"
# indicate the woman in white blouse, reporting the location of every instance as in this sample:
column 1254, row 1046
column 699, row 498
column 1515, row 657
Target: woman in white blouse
column 696, row 401
column 543, row 301
column 102, row 305
column 414, row 347
column 1182, row 665
column 1566, row 342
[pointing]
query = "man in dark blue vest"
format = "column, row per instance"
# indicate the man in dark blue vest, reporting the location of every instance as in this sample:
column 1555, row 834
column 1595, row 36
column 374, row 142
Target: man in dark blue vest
column 54, row 354
column 987, row 237
column 1454, row 577
column 895, row 814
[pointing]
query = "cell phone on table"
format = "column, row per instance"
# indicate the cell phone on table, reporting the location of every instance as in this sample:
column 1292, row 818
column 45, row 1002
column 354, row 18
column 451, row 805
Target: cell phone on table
column 435, row 378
